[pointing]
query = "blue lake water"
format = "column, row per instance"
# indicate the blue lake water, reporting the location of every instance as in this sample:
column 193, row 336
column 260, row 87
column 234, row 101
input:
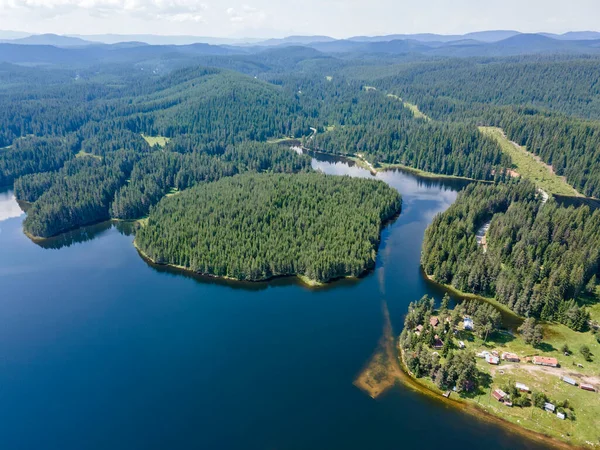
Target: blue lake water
column 100, row 350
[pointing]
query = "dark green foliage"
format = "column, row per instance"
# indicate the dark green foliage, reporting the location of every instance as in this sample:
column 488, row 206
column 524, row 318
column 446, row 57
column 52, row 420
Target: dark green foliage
column 253, row 227
column 540, row 102
column 154, row 176
column 586, row 353
column 486, row 318
column 539, row 257
column 539, row 399
column 459, row 367
column 79, row 199
column 448, row 149
column 30, row 187
column 33, row 155
column 532, row 332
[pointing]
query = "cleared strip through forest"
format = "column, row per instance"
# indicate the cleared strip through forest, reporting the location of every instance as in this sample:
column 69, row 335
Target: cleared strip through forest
column 529, row 166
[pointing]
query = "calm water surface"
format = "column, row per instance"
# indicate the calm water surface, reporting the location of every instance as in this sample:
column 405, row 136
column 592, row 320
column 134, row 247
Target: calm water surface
column 100, row 350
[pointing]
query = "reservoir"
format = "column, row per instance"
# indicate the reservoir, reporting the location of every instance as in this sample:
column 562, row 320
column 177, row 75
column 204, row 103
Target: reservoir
column 99, row 349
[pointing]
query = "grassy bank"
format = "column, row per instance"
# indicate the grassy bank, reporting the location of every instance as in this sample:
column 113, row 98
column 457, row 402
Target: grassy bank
column 582, row 407
column 530, row 166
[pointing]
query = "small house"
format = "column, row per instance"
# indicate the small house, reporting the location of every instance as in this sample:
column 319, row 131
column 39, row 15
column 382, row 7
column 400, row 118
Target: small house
column 570, row 381
column 434, row 321
column 461, row 344
column 499, row 394
column 545, row 361
column 508, row 403
column 419, row 330
column 549, row 407
column 560, row 415
column 511, row 357
column 437, row 342
column 491, row 359
column 521, row 387
column 468, row 324
column 588, row 387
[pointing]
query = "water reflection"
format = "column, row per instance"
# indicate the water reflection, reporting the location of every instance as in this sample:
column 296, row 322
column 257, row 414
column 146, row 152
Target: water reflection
column 566, row 201
column 77, row 236
column 9, row 208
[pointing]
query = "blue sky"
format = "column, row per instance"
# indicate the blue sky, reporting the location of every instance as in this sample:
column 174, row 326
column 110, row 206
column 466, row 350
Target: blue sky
column 276, row 18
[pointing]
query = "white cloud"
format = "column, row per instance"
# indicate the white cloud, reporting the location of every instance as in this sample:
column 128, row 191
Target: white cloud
column 247, row 14
column 173, row 10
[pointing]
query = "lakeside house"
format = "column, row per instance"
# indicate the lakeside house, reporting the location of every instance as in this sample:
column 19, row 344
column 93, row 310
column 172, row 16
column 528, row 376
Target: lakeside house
column 587, row 387
column 570, row 381
column 468, row 323
column 419, row 330
column 521, row 387
column 560, row 415
column 511, row 357
column 491, row 359
column 499, row 394
column 437, row 342
column 545, row 361
column 549, row 407
column 434, row 321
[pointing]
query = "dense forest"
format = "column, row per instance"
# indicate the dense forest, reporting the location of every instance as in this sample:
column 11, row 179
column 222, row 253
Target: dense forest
column 124, row 184
column 254, row 227
column 549, row 104
column 540, row 258
column 219, row 109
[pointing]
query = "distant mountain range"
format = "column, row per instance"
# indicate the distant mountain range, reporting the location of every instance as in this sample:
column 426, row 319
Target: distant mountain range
column 57, row 49
column 18, row 37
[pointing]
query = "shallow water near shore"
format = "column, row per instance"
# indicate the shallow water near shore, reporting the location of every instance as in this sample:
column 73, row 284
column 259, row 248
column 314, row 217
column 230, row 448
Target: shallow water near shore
column 99, row 349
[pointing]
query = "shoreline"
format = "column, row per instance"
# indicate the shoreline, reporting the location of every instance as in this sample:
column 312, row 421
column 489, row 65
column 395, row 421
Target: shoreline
column 302, row 279
column 469, row 296
column 473, row 409
column 364, row 164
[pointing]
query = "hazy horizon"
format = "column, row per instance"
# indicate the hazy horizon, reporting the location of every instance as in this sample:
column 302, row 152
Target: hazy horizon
column 274, row 19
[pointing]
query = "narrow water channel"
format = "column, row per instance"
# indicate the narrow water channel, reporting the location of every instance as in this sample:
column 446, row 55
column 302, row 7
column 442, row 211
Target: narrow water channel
column 99, row 349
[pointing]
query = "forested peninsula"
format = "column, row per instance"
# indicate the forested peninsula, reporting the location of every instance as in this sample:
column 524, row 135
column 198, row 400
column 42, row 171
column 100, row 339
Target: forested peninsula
column 540, row 259
column 256, row 227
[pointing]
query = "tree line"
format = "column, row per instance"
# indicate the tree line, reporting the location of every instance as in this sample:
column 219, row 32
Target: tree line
column 258, row 226
column 540, row 259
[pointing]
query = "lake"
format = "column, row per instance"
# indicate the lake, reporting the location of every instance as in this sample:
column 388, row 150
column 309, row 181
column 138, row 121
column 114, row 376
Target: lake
column 99, row 349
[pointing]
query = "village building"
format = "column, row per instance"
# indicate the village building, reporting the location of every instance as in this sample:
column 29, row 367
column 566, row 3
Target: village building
column 468, row 324
column 437, row 342
column 588, row 387
column 499, row 394
column 560, row 415
column 491, row 359
column 510, row 357
column 434, row 321
column 419, row 330
column 521, row 387
column 545, row 361
column 549, row 407
column 570, row 381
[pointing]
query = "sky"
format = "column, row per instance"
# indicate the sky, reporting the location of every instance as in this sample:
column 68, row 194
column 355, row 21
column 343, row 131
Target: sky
column 278, row 18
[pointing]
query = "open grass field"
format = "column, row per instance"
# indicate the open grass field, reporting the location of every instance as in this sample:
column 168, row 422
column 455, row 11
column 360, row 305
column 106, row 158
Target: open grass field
column 82, row 154
column 584, row 429
column 586, row 405
column 413, row 108
column 161, row 141
column 528, row 166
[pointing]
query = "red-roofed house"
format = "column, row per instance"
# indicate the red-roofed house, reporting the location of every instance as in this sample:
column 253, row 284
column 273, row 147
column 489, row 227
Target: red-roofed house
column 545, row 361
